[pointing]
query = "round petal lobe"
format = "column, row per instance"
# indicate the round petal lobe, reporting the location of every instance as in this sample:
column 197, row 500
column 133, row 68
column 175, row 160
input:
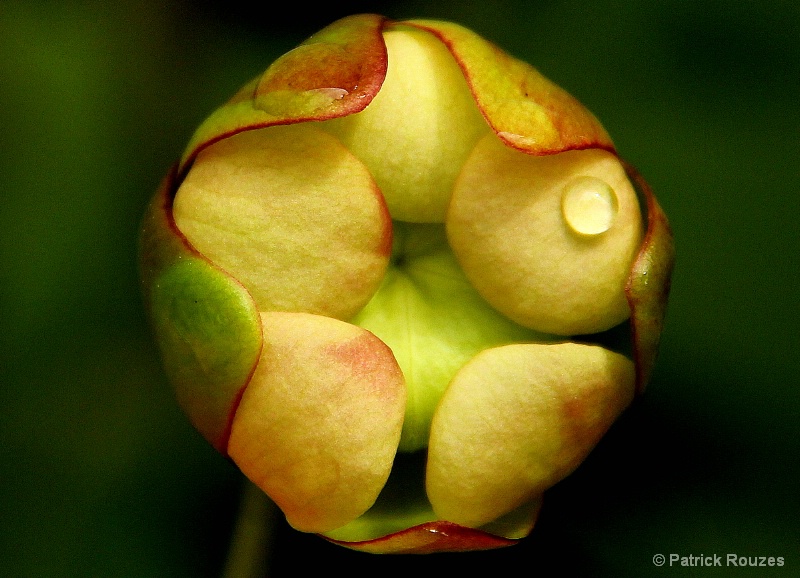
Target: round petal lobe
column 516, row 420
column 292, row 215
column 417, row 132
column 547, row 240
column 318, row 426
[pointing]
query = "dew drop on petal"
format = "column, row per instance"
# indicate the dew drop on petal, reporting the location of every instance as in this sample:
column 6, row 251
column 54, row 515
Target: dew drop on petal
column 589, row 205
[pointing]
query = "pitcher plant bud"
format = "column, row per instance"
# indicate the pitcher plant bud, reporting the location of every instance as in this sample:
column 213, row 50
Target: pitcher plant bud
column 406, row 284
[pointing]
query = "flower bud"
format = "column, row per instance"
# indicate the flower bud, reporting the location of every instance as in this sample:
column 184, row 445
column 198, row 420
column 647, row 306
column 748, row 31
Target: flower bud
column 406, row 284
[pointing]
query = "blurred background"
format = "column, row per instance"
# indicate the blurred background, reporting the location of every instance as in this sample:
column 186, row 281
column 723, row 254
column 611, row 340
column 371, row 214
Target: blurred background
column 101, row 475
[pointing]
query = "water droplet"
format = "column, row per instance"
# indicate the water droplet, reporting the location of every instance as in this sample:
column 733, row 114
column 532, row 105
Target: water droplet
column 589, row 205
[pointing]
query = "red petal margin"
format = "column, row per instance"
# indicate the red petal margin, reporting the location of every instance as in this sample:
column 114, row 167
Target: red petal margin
column 526, row 110
column 430, row 538
column 161, row 246
column 347, row 57
column 649, row 283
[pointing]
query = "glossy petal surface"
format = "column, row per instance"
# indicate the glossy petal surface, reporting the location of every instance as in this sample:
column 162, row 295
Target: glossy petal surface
column 429, row 538
column 649, row 284
column 508, row 229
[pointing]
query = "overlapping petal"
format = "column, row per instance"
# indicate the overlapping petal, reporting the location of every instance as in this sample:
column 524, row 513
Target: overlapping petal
column 336, row 72
column 521, row 241
column 291, row 214
column 302, row 341
column 319, row 423
column 517, row 419
column 196, row 309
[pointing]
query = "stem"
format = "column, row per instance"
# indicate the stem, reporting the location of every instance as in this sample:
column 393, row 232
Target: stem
column 252, row 534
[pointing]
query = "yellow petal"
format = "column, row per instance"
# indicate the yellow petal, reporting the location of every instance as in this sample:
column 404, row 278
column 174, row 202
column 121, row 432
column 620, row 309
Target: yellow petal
column 532, row 251
column 318, row 426
column 417, row 132
column 335, row 72
column 292, row 215
column 525, row 109
column 194, row 309
column 515, row 420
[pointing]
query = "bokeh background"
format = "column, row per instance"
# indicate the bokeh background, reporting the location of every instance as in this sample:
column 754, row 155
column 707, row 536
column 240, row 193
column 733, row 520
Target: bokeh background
column 101, row 475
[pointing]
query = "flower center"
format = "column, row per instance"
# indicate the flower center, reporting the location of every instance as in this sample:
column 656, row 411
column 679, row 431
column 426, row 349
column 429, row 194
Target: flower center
column 433, row 320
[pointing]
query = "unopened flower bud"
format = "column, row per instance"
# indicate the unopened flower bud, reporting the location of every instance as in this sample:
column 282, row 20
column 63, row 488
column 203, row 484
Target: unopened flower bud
column 406, row 284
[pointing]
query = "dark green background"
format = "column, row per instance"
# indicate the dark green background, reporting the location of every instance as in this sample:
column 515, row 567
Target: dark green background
column 101, row 474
